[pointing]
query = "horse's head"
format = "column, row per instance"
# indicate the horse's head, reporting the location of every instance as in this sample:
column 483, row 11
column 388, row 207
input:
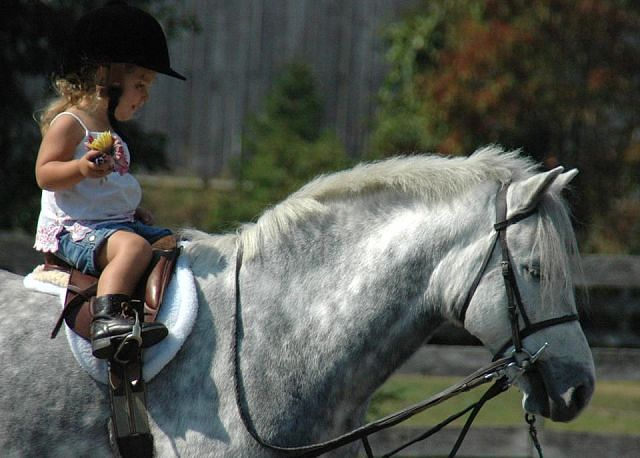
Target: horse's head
column 530, row 269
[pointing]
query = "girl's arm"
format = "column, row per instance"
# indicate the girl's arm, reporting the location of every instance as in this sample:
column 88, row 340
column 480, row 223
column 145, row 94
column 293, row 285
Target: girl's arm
column 144, row 215
column 55, row 167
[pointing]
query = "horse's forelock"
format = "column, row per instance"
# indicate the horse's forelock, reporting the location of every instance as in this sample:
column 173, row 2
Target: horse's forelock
column 557, row 245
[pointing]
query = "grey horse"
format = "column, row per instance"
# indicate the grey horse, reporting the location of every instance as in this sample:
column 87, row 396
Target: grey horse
column 341, row 283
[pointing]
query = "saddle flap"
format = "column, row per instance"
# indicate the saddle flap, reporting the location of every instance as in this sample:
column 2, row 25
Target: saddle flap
column 82, row 288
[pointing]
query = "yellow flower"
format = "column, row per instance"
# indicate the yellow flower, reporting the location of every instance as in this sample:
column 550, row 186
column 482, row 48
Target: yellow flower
column 104, row 142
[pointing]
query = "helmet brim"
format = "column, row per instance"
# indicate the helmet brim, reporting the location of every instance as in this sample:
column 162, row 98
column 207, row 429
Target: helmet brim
column 118, row 33
column 172, row 73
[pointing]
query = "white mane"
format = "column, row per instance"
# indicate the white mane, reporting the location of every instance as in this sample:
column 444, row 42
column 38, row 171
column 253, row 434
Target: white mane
column 432, row 178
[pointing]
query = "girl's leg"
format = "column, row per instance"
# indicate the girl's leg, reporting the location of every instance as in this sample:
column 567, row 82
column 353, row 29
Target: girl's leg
column 123, row 259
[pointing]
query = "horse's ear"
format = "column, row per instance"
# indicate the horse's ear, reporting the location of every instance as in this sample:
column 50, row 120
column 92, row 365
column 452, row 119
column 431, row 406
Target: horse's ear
column 526, row 194
column 563, row 180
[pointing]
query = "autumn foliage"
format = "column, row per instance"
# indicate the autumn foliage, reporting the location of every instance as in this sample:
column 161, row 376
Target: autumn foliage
column 558, row 78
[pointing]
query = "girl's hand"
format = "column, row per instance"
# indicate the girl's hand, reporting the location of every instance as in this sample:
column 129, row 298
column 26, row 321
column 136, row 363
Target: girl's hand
column 95, row 164
column 144, row 215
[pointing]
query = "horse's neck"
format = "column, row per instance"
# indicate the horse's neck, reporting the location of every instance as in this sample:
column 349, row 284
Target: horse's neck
column 331, row 311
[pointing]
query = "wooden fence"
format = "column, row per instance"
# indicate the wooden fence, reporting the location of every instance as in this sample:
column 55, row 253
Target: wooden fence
column 611, row 316
column 242, row 45
column 608, row 294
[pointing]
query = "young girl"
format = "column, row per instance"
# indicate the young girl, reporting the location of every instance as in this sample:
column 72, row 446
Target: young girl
column 90, row 216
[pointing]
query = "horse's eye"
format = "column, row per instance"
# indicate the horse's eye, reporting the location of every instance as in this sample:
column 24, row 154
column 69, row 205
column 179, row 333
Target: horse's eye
column 533, row 270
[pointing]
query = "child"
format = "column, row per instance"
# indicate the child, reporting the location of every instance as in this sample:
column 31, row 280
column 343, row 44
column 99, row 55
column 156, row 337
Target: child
column 90, row 216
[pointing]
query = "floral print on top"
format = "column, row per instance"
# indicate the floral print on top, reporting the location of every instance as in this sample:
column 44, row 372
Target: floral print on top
column 91, row 202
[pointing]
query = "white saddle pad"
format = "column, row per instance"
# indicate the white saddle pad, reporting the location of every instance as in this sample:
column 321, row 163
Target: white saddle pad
column 178, row 313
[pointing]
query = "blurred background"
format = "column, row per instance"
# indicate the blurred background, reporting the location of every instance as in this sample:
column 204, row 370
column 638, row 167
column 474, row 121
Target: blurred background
column 279, row 91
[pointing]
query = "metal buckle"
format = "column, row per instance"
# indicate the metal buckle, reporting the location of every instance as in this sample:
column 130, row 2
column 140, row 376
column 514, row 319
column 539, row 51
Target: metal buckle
column 522, row 362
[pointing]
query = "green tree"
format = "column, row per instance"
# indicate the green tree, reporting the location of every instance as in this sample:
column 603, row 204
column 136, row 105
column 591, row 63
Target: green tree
column 557, row 78
column 284, row 147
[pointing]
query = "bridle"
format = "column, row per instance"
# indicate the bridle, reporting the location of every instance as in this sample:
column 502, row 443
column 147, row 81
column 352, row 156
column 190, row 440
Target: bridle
column 515, row 307
column 502, row 370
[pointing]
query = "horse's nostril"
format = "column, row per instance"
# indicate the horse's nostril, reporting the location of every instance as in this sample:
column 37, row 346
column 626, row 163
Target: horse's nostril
column 581, row 397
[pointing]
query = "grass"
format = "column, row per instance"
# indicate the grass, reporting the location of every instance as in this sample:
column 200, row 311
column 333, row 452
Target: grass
column 614, row 408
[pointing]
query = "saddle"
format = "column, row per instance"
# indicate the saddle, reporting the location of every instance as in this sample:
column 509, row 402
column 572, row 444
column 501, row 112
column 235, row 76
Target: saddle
column 82, row 288
column 128, row 426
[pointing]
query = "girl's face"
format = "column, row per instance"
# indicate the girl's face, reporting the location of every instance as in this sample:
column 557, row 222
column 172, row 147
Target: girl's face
column 135, row 92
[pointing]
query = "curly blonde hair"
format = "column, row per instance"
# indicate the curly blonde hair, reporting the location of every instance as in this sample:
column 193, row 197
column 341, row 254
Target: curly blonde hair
column 70, row 91
column 76, row 88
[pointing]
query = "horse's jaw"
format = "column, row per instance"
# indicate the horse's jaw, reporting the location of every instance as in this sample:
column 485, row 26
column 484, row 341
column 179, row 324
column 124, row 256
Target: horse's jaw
column 561, row 382
column 564, row 398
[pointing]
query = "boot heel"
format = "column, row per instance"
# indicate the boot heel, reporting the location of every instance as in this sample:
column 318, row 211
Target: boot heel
column 102, row 348
column 127, row 350
column 110, row 330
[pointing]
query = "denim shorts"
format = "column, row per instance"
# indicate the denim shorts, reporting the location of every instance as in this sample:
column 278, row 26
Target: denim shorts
column 82, row 254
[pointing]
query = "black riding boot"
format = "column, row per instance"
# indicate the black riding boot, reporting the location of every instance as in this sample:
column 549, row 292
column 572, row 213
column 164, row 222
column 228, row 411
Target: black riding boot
column 112, row 333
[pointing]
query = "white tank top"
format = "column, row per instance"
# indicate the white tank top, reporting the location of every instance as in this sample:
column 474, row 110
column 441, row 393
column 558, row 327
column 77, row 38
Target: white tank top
column 89, row 203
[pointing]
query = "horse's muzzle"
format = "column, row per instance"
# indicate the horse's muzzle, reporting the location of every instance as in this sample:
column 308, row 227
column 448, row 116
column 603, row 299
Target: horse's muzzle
column 557, row 398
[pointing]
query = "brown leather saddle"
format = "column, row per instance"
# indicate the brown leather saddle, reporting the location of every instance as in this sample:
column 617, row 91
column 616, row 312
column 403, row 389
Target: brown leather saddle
column 128, row 426
column 82, row 287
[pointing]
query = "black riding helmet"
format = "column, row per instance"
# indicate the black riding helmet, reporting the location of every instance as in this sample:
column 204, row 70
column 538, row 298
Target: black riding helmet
column 115, row 34
column 118, row 33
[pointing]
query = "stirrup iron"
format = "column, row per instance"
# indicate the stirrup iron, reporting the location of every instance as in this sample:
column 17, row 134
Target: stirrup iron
column 130, row 346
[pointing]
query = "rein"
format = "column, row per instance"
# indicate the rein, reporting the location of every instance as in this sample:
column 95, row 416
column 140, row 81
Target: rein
column 502, row 370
